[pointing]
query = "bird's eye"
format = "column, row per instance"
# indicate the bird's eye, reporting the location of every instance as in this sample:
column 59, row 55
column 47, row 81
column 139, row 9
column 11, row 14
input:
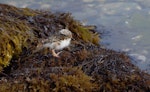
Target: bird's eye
column 63, row 34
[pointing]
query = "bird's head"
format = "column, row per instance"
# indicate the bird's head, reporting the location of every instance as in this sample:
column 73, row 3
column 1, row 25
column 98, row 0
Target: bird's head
column 66, row 32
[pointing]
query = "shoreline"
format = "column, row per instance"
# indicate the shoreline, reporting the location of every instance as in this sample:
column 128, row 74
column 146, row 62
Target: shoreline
column 84, row 66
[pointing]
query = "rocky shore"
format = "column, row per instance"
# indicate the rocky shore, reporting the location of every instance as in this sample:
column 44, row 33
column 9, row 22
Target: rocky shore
column 84, row 66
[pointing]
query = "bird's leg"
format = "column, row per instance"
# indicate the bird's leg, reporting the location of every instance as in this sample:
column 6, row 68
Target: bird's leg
column 55, row 54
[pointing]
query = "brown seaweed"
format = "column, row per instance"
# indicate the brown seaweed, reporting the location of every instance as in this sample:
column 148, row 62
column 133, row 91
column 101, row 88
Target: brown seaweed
column 83, row 66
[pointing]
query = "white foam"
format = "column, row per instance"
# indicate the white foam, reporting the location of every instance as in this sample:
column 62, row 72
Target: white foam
column 137, row 38
column 139, row 57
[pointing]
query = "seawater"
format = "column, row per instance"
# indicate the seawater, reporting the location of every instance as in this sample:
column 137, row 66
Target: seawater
column 126, row 22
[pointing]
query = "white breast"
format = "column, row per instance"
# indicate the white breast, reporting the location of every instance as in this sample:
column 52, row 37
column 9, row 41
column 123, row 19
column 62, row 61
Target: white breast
column 64, row 43
column 59, row 44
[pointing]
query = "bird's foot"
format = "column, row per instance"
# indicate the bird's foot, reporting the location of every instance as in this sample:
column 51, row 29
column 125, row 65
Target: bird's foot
column 56, row 54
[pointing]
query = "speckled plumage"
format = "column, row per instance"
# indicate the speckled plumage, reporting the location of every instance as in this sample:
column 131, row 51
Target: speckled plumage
column 57, row 42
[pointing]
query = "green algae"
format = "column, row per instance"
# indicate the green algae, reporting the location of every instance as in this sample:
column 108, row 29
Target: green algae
column 101, row 70
column 17, row 12
column 29, row 12
column 68, row 80
column 14, row 34
column 15, row 30
column 82, row 32
column 74, row 80
column 87, row 35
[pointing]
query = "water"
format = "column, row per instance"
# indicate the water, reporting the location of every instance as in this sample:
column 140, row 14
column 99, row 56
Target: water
column 127, row 22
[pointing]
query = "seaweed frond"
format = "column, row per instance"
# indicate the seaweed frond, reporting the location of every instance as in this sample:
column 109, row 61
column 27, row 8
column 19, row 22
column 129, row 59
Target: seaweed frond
column 73, row 80
column 14, row 34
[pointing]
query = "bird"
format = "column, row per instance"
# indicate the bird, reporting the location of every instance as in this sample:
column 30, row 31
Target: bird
column 57, row 41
